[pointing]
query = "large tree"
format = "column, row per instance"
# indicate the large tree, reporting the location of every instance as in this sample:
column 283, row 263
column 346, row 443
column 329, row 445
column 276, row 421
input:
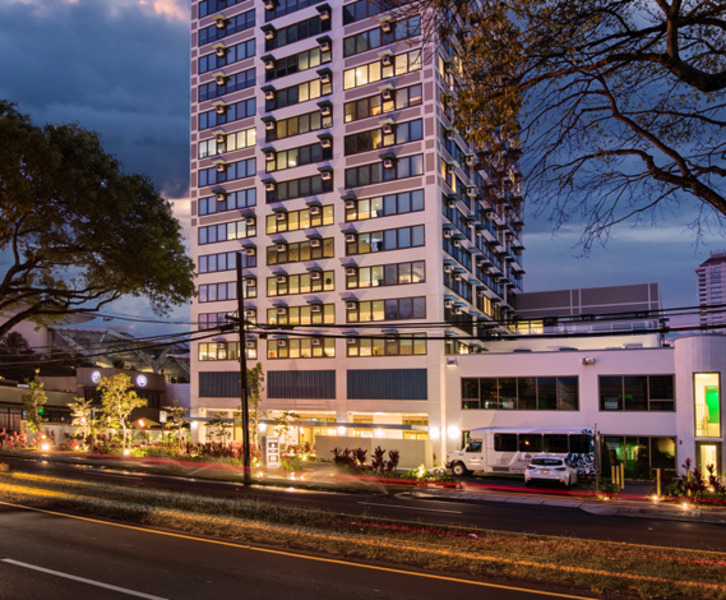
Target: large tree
column 75, row 231
column 619, row 105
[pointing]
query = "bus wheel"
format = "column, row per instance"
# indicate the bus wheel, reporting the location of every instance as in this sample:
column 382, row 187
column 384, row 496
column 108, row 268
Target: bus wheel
column 459, row 469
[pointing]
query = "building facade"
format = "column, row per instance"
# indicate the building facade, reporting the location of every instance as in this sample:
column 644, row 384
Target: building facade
column 711, row 290
column 373, row 240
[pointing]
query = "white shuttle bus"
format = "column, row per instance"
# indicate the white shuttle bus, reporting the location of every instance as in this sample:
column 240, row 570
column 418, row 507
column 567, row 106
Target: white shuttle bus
column 501, row 450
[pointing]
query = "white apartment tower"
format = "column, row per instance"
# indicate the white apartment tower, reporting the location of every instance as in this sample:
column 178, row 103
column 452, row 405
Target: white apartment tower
column 712, row 289
column 376, row 243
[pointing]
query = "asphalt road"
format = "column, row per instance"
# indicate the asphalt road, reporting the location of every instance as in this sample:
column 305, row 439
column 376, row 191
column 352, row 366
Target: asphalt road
column 47, row 556
column 501, row 516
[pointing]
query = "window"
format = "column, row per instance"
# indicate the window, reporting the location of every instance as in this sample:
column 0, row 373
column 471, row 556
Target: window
column 399, row 168
column 385, row 206
column 228, row 201
column 231, row 55
column 375, row 38
column 285, row 7
column 300, row 348
column 636, row 392
column 227, row 172
column 232, row 25
column 390, row 345
column 226, row 350
column 299, row 188
column 297, row 31
column 382, row 103
column 505, row 442
column 309, row 59
column 232, row 141
column 388, row 66
column 212, row 320
column 235, row 230
column 362, row 9
column 393, row 309
column 300, row 219
column 226, row 261
column 208, row 7
column 217, row 292
column 520, row 393
column 282, row 253
column 296, row 157
column 707, row 399
column 310, row 314
column 285, row 128
column 287, row 285
column 233, row 83
column 227, row 114
column 383, row 275
column 308, row 90
column 388, row 135
column 388, row 239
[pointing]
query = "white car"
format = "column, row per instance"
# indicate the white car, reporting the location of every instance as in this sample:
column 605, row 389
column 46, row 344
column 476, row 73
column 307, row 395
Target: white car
column 550, row 468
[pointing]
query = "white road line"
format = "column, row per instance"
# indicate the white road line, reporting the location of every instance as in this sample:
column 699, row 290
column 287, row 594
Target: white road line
column 441, row 510
column 83, row 580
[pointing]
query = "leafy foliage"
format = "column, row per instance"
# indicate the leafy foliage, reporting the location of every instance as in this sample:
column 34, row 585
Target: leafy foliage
column 619, row 106
column 76, row 232
column 118, row 401
column 33, row 402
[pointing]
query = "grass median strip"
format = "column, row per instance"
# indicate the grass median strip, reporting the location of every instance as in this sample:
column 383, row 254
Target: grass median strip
column 603, row 567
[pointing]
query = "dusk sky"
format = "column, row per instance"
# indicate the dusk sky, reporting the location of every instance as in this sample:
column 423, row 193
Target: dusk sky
column 121, row 68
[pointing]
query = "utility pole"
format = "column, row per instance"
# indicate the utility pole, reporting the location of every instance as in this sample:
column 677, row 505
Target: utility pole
column 246, row 462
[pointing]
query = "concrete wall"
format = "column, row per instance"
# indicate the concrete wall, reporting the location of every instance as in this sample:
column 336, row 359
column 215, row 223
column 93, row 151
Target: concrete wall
column 413, row 453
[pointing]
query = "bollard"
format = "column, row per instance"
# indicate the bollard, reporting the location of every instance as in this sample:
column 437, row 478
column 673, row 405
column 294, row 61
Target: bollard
column 622, row 476
column 612, row 475
column 657, row 483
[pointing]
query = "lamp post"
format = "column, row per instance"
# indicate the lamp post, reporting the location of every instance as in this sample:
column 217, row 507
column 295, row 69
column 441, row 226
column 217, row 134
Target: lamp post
column 246, row 462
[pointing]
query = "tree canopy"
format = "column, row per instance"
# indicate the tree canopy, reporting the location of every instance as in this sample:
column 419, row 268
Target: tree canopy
column 619, row 105
column 75, row 231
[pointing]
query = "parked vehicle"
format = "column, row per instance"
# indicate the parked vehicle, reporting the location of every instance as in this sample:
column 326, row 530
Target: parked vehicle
column 494, row 450
column 550, row 468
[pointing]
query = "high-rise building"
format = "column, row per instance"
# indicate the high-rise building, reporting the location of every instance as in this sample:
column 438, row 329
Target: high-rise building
column 374, row 240
column 711, row 289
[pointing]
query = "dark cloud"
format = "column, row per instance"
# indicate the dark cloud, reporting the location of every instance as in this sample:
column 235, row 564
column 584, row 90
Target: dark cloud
column 113, row 67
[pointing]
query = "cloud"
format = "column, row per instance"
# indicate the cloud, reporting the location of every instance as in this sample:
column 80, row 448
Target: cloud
column 117, row 67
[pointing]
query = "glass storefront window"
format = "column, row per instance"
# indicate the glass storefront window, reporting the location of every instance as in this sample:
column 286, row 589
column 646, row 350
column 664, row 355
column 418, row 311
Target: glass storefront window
column 707, row 399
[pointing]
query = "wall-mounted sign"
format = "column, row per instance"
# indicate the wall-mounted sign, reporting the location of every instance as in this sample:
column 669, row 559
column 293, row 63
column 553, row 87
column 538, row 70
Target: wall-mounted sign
column 96, row 376
column 141, row 380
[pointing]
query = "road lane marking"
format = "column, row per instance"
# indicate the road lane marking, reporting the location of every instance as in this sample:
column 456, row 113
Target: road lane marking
column 100, row 584
column 335, row 561
column 441, row 510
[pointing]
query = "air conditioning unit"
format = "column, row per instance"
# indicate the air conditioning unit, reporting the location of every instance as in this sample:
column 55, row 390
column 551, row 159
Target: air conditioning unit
column 251, row 344
column 270, row 186
column 315, row 210
column 250, row 251
column 448, row 268
column 471, row 160
column 326, row 110
column 221, row 109
column 280, row 216
column 450, row 202
column 221, row 52
column 450, row 135
column 325, row 46
column 281, row 278
column 450, row 168
column 269, row 33
column 351, row 305
column 221, row 196
column 388, row 129
column 457, row 276
column 221, row 139
column 221, row 167
column 316, row 308
column 270, row 4
column 387, row 94
column 448, row 304
column 281, row 247
column 326, row 143
column 350, row 237
column 221, row 22
column 351, row 271
column 448, row 233
column 270, row 125
column 352, row 340
column 457, row 242
column 221, row 79
column 386, row 60
column 387, row 163
column 270, row 64
column 350, row 203
column 270, row 155
column 281, row 310
column 315, row 243
column 324, row 14
column 316, row 341
column 251, row 282
column 250, row 313
column 282, row 343
column 325, row 78
column 326, row 175
column 270, row 95
column 471, row 192
column 458, row 310
column 387, row 26
column 316, row 275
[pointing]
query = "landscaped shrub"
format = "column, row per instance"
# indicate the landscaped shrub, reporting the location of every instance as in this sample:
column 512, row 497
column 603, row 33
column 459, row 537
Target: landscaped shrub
column 693, row 484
